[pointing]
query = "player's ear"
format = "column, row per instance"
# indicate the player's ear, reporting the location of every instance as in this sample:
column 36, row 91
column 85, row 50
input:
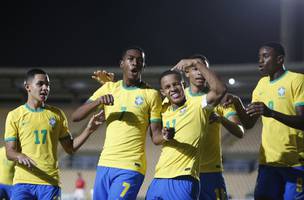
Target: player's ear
column 121, row 63
column 280, row 59
column 26, row 86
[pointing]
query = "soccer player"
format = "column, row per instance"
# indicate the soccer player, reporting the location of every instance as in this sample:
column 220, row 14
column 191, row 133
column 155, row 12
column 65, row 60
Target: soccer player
column 279, row 99
column 211, row 178
column 32, row 132
column 6, row 175
column 130, row 109
column 177, row 171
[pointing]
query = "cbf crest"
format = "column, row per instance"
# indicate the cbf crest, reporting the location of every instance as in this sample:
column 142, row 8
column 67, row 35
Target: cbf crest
column 139, row 100
column 281, row 91
column 52, row 121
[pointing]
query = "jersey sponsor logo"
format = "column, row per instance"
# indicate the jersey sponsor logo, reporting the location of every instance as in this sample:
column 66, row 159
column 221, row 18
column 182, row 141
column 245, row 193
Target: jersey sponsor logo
column 281, row 91
column 52, row 121
column 139, row 100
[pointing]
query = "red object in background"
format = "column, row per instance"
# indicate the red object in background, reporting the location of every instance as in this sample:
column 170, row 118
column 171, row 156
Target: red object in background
column 80, row 183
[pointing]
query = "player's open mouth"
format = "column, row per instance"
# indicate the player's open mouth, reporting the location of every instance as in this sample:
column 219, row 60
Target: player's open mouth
column 175, row 95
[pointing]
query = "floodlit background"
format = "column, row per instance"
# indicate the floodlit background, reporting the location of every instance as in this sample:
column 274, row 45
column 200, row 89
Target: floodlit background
column 71, row 39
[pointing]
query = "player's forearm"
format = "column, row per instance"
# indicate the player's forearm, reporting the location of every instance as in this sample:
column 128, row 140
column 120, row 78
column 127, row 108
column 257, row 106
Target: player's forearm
column 233, row 128
column 293, row 121
column 12, row 153
column 247, row 121
column 83, row 111
column 80, row 140
column 218, row 88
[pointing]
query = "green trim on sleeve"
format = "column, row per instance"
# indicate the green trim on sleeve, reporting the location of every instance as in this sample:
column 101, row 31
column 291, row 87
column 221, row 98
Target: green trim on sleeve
column 10, row 139
column 299, row 104
column 155, row 120
column 230, row 114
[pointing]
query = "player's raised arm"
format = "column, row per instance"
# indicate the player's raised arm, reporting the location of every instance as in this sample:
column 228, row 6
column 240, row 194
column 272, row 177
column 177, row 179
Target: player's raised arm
column 71, row 145
column 84, row 110
column 217, row 87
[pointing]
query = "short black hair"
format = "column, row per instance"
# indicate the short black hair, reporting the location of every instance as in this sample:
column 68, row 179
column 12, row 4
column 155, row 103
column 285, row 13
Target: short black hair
column 277, row 47
column 169, row 72
column 31, row 74
column 132, row 48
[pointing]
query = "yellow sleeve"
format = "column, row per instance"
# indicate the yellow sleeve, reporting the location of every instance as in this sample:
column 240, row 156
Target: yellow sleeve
column 156, row 106
column 298, row 88
column 229, row 111
column 11, row 129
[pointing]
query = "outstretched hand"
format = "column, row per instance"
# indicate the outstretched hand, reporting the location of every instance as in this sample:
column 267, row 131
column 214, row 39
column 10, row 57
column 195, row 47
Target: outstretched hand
column 103, row 76
column 96, row 120
column 168, row 133
column 228, row 99
column 258, row 109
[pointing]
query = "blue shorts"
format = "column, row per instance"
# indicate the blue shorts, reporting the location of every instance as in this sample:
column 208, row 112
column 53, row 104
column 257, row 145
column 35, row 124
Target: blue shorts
column 179, row 188
column 5, row 191
column 114, row 183
column 212, row 186
column 22, row 191
column 280, row 183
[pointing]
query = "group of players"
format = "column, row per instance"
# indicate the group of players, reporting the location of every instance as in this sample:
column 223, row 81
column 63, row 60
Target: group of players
column 187, row 123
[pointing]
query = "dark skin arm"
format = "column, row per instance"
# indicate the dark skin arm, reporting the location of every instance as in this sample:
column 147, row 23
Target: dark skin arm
column 247, row 121
column 83, row 111
column 232, row 124
column 293, row 121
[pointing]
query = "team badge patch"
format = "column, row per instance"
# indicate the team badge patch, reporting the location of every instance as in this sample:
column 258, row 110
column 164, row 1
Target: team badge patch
column 139, row 100
column 52, row 121
column 183, row 110
column 281, row 91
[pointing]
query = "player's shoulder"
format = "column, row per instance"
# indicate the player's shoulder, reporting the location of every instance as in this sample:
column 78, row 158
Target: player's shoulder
column 54, row 109
column 295, row 75
column 18, row 111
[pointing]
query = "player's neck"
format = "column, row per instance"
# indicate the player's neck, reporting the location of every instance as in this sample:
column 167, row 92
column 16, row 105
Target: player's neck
column 196, row 89
column 34, row 104
column 131, row 83
column 277, row 74
column 177, row 105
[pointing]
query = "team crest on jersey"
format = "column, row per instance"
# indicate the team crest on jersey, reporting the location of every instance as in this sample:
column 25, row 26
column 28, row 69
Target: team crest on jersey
column 183, row 111
column 52, row 121
column 139, row 100
column 281, row 91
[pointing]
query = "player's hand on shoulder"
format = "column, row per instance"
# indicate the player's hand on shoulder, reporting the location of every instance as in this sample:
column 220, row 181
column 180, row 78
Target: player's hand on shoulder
column 107, row 99
column 96, row 120
column 103, row 76
column 168, row 133
column 25, row 160
column 258, row 108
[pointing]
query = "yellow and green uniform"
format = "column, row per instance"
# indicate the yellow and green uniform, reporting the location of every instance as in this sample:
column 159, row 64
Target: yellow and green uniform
column 180, row 156
column 281, row 145
column 37, row 133
column 211, row 150
column 6, row 168
column 127, row 122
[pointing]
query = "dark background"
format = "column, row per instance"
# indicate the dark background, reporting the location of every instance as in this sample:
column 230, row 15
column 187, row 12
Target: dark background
column 76, row 33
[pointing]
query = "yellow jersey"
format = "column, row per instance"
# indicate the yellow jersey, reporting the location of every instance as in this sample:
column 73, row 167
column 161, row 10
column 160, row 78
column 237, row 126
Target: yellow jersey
column 181, row 156
column 7, row 168
column 211, row 149
column 127, row 122
column 37, row 133
column 281, row 145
